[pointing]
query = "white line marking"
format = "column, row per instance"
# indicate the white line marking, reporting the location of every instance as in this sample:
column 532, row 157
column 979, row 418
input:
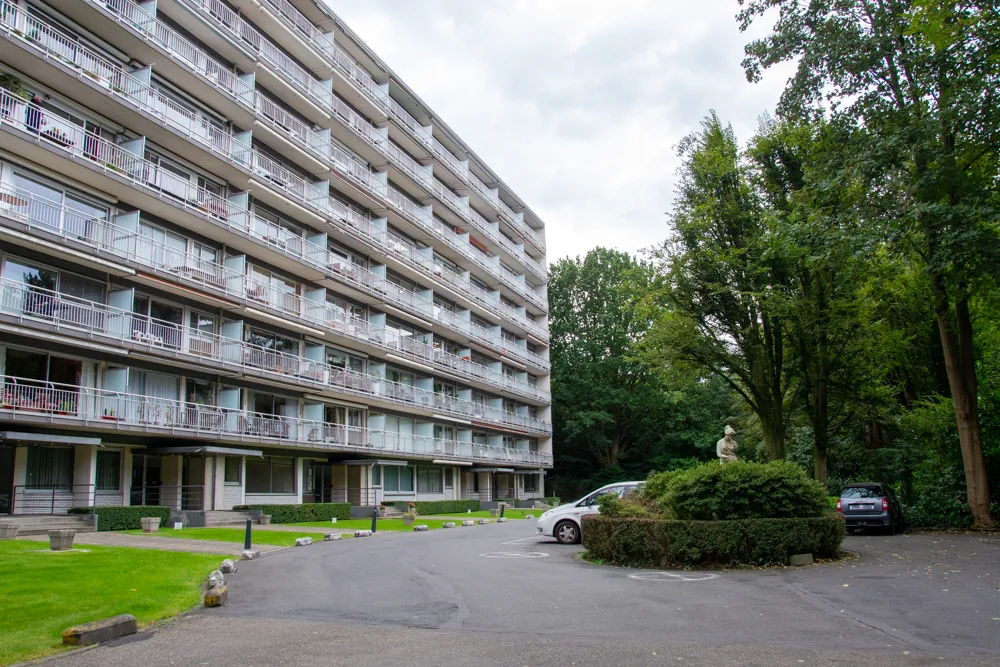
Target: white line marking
column 513, row 554
column 524, row 539
column 674, row 576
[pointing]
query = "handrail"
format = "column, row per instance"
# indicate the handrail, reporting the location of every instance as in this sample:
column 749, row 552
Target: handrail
column 119, row 410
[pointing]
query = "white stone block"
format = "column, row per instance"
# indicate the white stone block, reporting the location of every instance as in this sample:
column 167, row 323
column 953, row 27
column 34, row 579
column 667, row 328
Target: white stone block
column 362, row 533
column 303, row 541
column 227, row 566
column 468, row 522
column 250, row 554
column 448, row 524
column 502, row 519
column 420, row 528
column 332, row 537
column 484, row 522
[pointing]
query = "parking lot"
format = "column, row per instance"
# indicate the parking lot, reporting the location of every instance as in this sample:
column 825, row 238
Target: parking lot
column 498, row 594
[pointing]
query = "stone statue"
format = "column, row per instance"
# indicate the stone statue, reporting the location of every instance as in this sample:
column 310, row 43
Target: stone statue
column 725, row 449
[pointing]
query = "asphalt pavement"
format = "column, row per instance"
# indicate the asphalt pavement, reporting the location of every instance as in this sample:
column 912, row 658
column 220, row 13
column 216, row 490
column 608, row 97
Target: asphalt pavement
column 499, row 595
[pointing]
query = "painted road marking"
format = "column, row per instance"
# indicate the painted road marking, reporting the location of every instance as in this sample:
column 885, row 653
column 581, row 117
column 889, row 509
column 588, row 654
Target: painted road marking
column 524, row 539
column 513, row 554
column 674, row 576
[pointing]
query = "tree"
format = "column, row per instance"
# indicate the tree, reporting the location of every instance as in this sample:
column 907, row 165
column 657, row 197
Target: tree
column 922, row 79
column 606, row 404
column 720, row 274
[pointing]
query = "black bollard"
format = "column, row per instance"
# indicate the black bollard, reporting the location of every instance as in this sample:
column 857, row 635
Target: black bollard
column 374, row 516
column 246, row 540
column 502, row 506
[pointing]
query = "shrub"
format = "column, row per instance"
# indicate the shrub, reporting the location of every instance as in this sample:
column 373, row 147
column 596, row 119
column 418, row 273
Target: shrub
column 743, row 490
column 431, row 507
column 628, row 507
column 302, row 513
column 123, row 518
column 637, row 542
column 552, row 501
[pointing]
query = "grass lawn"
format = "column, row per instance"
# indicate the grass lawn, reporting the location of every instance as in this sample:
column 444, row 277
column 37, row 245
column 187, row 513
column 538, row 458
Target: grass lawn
column 365, row 524
column 485, row 514
column 45, row 593
column 260, row 535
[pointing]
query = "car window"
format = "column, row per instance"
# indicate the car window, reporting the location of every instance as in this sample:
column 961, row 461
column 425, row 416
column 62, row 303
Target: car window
column 592, row 500
column 861, row 492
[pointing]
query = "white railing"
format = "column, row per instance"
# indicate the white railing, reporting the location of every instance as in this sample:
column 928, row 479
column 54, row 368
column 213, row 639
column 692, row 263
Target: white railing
column 302, row 26
column 480, row 187
column 59, row 133
column 67, row 50
column 409, row 165
column 28, row 399
column 165, row 38
column 359, row 76
column 449, row 158
column 408, row 121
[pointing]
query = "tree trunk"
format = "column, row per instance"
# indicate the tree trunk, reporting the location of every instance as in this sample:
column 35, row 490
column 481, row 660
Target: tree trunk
column 773, row 424
column 821, row 431
column 960, row 364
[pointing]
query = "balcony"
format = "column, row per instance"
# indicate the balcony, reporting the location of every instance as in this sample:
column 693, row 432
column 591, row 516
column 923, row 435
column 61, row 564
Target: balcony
column 27, row 401
column 289, row 27
column 126, row 94
column 144, row 37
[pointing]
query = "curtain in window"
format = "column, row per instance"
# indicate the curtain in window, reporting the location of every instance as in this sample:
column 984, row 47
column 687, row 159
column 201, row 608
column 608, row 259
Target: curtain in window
column 109, row 470
column 49, row 467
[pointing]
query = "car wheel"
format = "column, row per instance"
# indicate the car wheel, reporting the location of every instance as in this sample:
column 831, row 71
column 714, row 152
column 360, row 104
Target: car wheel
column 567, row 532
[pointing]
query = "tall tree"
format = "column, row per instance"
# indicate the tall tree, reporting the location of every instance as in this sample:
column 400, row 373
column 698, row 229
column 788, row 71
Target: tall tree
column 923, row 78
column 720, row 274
column 606, row 404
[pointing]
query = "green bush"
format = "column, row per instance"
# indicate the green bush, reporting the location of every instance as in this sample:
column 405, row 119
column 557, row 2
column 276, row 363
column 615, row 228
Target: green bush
column 623, row 508
column 552, row 501
column 637, row 542
column 743, row 490
column 123, row 518
column 431, row 507
column 302, row 513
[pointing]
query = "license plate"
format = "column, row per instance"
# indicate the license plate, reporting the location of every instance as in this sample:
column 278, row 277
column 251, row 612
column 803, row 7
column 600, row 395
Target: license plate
column 862, row 507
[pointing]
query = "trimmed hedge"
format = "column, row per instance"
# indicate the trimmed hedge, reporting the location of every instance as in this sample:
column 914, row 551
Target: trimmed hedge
column 637, row 542
column 743, row 490
column 432, row 507
column 302, row 513
column 552, row 501
column 123, row 518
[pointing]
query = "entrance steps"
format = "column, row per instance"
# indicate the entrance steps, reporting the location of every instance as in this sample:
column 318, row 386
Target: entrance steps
column 41, row 525
column 227, row 519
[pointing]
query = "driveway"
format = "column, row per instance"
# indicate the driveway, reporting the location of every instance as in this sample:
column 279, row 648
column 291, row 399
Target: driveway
column 500, row 595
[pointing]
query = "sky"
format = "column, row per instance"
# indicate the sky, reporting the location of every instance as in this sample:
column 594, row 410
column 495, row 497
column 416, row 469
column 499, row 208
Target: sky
column 578, row 105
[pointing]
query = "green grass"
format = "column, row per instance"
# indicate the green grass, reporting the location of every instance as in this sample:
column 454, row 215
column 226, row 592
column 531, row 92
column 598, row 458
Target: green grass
column 234, row 535
column 46, row 592
column 508, row 513
column 365, row 524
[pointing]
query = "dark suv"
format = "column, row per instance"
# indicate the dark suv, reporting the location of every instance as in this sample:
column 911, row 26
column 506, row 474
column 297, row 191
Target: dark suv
column 870, row 505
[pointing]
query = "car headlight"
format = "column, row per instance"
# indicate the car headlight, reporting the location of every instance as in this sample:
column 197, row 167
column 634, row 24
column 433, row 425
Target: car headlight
column 545, row 514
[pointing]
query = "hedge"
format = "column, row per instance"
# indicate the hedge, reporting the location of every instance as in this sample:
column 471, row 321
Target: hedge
column 552, row 501
column 302, row 513
column 637, row 542
column 123, row 518
column 432, row 507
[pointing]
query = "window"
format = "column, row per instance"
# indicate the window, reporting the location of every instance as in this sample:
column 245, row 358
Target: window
column 49, row 467
column 232, row 471
column 397, row 479
column 376, row 476
column 449, row 478
column 530, row 483
column 109, row 470
column 271, row 474
column 429, row 480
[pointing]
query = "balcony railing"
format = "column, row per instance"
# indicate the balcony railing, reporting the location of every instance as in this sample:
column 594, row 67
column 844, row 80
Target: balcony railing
column 303, row 27
column 74, row 405
column 449, row 158
column 68, row 51
column 174, row 339
column 410, row 123
column 179, row 48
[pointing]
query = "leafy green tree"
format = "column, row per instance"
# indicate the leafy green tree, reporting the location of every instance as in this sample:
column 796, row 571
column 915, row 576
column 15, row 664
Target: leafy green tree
column 720, row 272
column 922, row 78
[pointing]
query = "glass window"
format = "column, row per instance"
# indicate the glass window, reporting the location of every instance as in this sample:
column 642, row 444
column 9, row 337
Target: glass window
column 109, row 470
column 271, row 474
column 397, row 479
column 232, row 471
column 49, row 467
column 30, row 275
column 530, row 483
column 449, row 478
column 861, row 492
column 429, row 480
column 376, row 475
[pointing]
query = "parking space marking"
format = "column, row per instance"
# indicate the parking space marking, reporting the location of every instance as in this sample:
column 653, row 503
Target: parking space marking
column 674, row 576
column 514, row 554
column 523, row 539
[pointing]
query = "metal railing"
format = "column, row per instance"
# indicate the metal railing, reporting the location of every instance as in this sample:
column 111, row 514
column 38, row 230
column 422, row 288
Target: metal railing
column 449, row 158
column 357, row 497
column 74, row 405
column 303, row 27
column 59, row 498
column 176, row 497
column 410, row 123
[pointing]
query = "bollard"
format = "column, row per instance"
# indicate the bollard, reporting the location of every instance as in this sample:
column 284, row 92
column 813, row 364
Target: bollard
column 374, row 516
column 246, row 540
column 502, row 506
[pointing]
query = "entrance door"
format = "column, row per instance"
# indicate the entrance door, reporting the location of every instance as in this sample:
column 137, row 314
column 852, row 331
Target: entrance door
column 354, row 485
column 146, row 480
column 193, row 483
column 6, row 478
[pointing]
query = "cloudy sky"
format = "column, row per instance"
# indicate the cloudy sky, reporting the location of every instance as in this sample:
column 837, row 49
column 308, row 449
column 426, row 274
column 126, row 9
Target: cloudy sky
column 577, row 104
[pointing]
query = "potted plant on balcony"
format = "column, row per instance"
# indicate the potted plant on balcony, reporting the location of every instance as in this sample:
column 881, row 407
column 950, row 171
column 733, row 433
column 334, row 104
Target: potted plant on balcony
column 14, row 85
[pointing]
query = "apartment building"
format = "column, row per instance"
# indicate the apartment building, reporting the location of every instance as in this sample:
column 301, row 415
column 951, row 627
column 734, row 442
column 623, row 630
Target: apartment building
column 242, row 262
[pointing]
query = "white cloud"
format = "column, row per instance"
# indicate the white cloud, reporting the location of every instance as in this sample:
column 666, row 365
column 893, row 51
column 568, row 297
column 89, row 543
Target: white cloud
column 576, row 104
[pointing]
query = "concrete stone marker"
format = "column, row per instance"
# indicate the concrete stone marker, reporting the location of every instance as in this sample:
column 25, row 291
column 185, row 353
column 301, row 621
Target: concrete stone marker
column 61, row 539
column 8, row 530
column 216, row 579
column 362, row 533
column 494, row 512
column 250, row 554
column 227, row 566
column 303, row 541
column 103, row 630
column 468, row 522
column 216, row 597
column 800, row 559
column 529, row 516
column 332, row 537
column 448, row 524
column 484, row 522
column 150, row 524
column 420, row 528
column 502, row 519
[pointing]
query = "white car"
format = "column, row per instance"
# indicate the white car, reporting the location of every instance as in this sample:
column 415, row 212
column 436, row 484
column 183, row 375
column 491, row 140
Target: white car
column 564, row 522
